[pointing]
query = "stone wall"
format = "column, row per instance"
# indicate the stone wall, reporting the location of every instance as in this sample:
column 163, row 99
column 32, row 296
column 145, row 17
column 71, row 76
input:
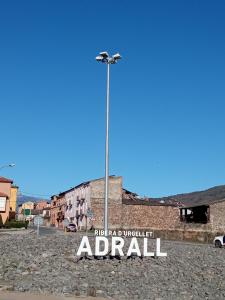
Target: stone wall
column 114, row 213
column 163, row 220
column 115, row 188
column 114, row 201
column 217, row 217
column 149, row 217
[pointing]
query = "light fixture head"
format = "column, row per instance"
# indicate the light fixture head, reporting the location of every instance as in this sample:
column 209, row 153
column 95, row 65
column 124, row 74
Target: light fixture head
column 117, row 56
column 99, row 58
column 104, row 54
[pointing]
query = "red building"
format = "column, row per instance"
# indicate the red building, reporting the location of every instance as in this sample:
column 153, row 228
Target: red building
column 58, row 207
column 40, row 205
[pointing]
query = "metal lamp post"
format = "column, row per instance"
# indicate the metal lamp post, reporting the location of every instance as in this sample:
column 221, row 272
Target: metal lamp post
column 6, row 166
column 105, row 58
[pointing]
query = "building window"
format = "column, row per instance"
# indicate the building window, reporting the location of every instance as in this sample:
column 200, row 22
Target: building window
column 197, row 214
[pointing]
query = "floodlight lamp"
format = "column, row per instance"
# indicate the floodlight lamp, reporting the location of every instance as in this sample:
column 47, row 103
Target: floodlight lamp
column 104, row 54
column 117, row 56
column 99, row 58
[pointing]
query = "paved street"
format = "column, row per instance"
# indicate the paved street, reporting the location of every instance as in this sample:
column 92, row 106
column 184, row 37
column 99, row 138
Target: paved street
column 45, row 230
column 49, row 265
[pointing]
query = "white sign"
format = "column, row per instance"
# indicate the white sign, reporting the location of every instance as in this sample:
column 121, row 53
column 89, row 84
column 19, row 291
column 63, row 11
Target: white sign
column 38, row 220
column 90, row 213
column 2, row 203
column 65, row 222
column 117, row 247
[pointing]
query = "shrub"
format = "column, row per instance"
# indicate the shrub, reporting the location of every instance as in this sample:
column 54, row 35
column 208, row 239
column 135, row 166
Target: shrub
column 16, row 224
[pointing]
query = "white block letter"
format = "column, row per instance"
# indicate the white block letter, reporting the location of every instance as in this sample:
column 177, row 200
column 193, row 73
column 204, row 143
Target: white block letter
column 103, row 239
column 146, row 253
column 134, row 248
column 158, row 253
column 84, row 246
column 117, row 244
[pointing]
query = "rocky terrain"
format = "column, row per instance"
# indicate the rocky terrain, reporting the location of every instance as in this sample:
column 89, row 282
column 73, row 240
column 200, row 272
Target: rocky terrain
column 49, row 265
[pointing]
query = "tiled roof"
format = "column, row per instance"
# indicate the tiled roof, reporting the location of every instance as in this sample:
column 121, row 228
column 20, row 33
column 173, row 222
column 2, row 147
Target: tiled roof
column 6, row 180
column 86, row 183
column 188, row 200
column 3, row 195
column 130, row 198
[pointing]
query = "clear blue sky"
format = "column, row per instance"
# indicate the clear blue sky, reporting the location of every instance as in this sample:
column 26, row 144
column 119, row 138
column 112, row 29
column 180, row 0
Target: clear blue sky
column 167, row 130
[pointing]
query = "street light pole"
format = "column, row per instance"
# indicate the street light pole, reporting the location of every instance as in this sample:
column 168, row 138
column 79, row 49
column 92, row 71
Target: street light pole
column 107, row 156
column 105, row 58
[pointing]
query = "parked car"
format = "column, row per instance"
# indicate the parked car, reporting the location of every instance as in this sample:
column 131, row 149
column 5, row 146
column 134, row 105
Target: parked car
column 219, row 241
column 71, row 227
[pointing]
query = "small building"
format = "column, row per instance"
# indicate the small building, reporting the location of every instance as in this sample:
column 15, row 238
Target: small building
column 40, row 205
column 25, row 211
column 196, row 216
column 46, row 216
column 57, row 210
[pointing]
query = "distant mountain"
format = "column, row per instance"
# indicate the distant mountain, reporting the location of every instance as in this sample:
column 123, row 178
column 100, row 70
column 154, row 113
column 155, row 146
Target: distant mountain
column 23, row 198
column 197, row 198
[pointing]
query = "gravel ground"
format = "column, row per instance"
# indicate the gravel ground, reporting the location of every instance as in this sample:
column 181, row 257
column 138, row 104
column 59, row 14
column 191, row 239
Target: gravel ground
column 48, row 265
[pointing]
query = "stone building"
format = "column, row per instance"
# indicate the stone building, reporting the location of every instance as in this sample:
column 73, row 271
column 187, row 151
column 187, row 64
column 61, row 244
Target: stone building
column 195, row 216
column 88, row 196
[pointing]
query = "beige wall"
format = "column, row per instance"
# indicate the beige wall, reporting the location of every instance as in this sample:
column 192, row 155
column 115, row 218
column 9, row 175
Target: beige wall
column 217, row 217
column 13, row 198
column 115, row 188
column 28, row 205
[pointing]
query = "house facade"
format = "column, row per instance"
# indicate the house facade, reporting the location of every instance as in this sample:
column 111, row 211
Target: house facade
column 77, row 202
column 26, row 211
column 5, row 194
column 46, row 216
column 42, row 204
column 57, row 210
